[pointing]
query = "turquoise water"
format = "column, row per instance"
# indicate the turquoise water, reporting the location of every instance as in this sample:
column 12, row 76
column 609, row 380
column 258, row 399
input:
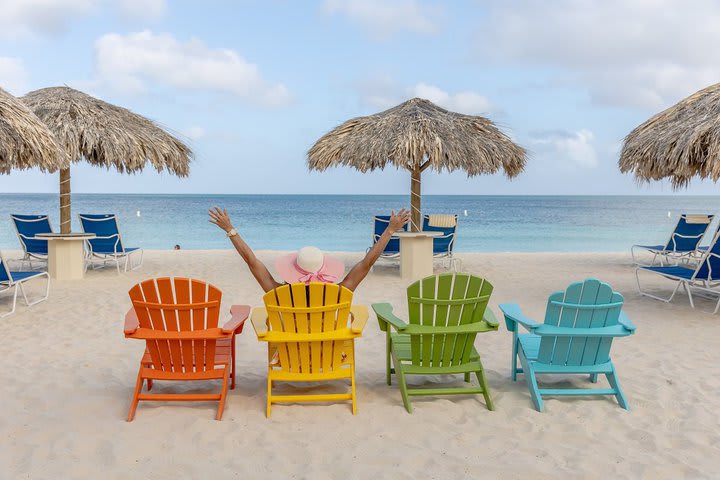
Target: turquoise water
column 344, row 222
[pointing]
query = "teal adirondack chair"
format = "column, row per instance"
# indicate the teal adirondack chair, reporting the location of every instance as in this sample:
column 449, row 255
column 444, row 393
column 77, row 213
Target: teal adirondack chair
column 580, row 324
column 446, row 312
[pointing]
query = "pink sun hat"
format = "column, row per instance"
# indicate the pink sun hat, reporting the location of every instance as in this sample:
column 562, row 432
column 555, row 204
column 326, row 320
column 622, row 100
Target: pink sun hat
column 309, row 264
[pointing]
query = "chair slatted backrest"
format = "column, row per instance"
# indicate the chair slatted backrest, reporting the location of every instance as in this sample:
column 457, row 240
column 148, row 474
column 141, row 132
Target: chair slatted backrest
column 381, row 223
column 688, row 233
column 587, row 304
column 709, row 266
column 105, row 227
column 5, row 276
column 445, row 300
column 27, row 227
column 442, row 244
column 317, row 308
column 179, row 305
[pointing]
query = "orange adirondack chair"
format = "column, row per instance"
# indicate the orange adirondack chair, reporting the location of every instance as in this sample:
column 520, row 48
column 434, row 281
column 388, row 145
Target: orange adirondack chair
column 178, row 319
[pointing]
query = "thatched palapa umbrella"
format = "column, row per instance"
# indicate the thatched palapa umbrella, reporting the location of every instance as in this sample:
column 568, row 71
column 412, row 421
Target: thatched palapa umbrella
column 418, row 135
column 105, row 135
column 678, row 143
column 25, row 141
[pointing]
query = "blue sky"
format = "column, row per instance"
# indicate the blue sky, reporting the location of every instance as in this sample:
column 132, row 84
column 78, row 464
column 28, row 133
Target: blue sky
column 252, row 84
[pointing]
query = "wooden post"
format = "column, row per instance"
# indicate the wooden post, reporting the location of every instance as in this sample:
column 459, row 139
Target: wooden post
column 416, row 219
column 65, row 200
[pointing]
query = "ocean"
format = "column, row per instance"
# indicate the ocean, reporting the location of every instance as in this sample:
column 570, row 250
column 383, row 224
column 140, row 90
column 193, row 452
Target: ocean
column 344, row 222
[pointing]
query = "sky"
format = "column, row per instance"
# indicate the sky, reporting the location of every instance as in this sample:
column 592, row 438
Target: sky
column 250, row 85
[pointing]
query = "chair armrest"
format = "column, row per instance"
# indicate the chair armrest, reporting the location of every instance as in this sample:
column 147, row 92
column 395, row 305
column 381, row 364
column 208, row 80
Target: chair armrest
column 490, row 319
column 131, row 322
column 625, row 322
column 514, row 315
column 238, row 315
column 360, row 316
column 384, row 314
column 258, row 318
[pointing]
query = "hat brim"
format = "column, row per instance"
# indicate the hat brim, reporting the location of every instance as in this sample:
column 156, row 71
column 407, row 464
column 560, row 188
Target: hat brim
column 285, row 266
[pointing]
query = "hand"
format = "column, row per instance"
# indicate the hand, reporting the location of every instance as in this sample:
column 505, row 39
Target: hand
column 399, row 220
column 220, row 218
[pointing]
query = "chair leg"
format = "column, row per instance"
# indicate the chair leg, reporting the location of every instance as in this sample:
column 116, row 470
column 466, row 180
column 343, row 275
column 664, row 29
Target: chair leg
column 232, row 358
column 223, row 395
column 619, row 395
column 134, row 403
column 532, row 384
column 352, row 391
column 269, row 396
column 593, row 377
column 14, row 303
column 480, row 374
column 467, row 377
column 403, row 385
column 514, row 368
column 388, row 347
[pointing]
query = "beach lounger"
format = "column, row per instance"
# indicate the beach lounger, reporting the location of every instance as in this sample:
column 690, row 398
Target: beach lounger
column 445, row 314
column 178, row 319
column 16, row 281
column 392, row 249
column 310, row 331
column 443, row 245
column 575, row 338
column 27, row 226
column 704, row 277
column 683, row 244
column 107, row 245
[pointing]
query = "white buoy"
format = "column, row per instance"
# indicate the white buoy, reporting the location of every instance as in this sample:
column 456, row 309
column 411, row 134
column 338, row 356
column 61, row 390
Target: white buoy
column 137, row 213
column 465, row 212
column 669, row 215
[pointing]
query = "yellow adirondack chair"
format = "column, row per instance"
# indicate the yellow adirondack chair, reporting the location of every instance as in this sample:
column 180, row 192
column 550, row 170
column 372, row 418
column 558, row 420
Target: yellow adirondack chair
column 311, row 331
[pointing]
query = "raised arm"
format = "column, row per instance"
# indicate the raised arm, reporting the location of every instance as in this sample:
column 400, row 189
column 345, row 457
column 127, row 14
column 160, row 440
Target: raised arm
column 257, row 268
column 362, row 268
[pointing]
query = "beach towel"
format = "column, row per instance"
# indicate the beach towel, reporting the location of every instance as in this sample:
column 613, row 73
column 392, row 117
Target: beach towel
column 446, row 220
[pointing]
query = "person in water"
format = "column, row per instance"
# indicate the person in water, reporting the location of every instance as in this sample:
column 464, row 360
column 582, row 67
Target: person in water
column 308, row 264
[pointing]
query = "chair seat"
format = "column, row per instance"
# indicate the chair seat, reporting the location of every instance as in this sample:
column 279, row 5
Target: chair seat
column 673, row 271
column 21, row 276
column 401, row 347
column 125, row 251
column 530, row 344
column 223, row 353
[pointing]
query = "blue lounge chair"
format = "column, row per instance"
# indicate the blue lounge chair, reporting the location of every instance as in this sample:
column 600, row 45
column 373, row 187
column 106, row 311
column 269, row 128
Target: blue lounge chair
column 392, row 249
column 16, row 280
column 684, row 241
column 705, row 276
column 443, row 245
column 27, row 226
column 107, row 244
column 580, row 324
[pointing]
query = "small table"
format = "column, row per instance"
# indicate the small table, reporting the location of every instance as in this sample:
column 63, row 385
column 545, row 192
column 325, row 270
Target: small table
column 416, row 254
column 66, row 255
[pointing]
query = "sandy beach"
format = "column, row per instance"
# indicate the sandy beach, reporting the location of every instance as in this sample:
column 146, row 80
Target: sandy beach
column 68, row 376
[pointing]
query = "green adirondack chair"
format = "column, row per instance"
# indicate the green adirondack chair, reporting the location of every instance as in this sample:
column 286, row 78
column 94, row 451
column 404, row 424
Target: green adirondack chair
column 446, row 312
column 580, row 324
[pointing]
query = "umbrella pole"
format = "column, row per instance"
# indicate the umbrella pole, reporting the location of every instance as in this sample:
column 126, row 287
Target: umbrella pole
column 415, row 199
column 65, row 200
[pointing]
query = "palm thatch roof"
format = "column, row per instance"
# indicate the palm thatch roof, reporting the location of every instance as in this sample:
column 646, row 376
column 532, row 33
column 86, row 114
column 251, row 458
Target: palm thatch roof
column 419, row 134
column 107, row 135
column 25, row 142
column 679, row 143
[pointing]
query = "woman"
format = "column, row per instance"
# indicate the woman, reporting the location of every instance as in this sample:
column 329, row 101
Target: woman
column 308, row 264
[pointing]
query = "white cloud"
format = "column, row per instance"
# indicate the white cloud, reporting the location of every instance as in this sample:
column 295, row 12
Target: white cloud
column 646, row 53
column 383, row 18
column 194, row 132
column 13, row 76
column 142, row 9
column 25, row 17
column 129, row 62
column 577, row 147
column 383, row 93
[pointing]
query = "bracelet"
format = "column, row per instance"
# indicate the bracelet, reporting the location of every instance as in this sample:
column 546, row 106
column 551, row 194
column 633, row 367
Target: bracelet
column 231, row 233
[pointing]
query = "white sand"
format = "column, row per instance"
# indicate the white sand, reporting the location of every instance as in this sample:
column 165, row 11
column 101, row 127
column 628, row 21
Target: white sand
column 67, row 376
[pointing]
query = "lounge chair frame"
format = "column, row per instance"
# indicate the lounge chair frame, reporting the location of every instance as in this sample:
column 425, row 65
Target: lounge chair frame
column 15, row 285
column 665, row 254
column 29, row 256
column 92, row 258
